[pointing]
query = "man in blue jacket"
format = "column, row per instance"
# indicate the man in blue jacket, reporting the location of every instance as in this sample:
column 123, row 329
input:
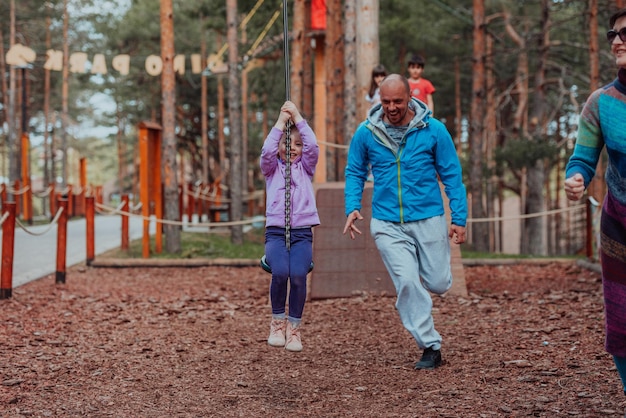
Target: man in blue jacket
column 409, row 153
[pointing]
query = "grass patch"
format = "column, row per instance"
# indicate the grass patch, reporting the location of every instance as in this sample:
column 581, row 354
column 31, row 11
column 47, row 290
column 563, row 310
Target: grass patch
column 471, row 254
column 200, row 245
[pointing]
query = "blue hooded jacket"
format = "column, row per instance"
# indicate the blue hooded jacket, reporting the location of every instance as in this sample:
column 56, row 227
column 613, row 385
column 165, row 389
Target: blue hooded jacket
column 406, row 181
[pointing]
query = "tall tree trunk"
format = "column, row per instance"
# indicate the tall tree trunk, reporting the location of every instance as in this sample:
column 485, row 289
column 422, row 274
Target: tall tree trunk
column 368, row 50
column 5, row 103
column 334, row 87
column 597, row 187
column 204, row 123
column 64, row 94
column 480, row 230
column 298, row 45
column 169, row 152
column 307, row 69
column 490, row 134
column 46, row 111
column 234, row 119
column 244, row 121
column 350, row 68
column 14, row 157
column 535, row 203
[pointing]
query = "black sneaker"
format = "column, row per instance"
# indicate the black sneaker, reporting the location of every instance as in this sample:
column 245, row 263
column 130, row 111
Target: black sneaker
column 430, row 359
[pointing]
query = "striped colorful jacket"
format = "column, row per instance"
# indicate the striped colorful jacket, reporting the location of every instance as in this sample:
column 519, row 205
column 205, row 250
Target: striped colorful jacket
column 603, row 123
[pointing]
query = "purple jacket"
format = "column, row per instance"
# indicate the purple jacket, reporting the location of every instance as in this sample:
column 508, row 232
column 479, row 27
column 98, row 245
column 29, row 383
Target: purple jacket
column 303, row 206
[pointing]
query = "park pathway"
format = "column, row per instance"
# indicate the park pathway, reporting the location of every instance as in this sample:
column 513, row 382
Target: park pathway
column 35, row 252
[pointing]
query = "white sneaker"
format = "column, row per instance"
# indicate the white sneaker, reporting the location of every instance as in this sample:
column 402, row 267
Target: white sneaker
column 277, row 333
column 294, row 341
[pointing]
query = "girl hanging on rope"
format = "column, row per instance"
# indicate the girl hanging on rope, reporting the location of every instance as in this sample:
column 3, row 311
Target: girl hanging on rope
column 289, row 263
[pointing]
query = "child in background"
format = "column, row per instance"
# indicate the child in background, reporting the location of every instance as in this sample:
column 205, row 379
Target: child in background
column 421, row 88
column 373, row 95
column 289, row 266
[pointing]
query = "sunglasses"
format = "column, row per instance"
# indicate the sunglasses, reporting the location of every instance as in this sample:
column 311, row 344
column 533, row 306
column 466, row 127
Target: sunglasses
column 612, row 34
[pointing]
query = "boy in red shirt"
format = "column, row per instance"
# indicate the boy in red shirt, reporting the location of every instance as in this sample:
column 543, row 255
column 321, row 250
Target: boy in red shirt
column 421, row 88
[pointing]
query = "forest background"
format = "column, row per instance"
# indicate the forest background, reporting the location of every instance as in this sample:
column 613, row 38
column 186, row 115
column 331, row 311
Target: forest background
column 511, row 79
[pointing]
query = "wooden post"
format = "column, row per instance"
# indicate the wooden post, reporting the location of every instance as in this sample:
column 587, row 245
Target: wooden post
column 144, row 190
column 191, row 202
column 70, row 201
column 82, row 167
column 28, row 194
column 62, row 241
column 200, row 201
column 53, row 200
column 320, row 109
column 150, row 182
column 90, row 214
column 8, row 246
column 125, row 208
column 18, row 199
column 180, row 203
column 3, row 192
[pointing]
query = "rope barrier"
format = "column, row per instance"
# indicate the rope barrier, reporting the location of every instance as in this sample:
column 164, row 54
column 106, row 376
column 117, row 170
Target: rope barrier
column 50, row 225
column 18, row 192
column 4, row 217
column 43, row 194
column 111, row 210
column 333, row 145
column 526, row 216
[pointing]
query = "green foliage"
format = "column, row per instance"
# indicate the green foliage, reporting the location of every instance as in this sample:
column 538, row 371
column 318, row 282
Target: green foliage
column 202, row 245
column 520, row 154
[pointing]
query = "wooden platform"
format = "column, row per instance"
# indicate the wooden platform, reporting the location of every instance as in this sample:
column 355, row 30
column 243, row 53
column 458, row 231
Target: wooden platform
column 345, row 267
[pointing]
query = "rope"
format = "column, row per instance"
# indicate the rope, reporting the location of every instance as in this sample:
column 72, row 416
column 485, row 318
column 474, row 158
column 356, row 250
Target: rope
column 528, row 215
column 244, row 21
column 50, row 225
column 333, row 145
column 263, row 33
column 287, row 131
column 109, row 210
column 4, row 217
column 18, row 192
column 45, row 193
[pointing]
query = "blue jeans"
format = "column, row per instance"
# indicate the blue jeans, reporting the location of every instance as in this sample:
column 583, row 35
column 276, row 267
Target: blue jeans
column 417, row 257
column 288, row 267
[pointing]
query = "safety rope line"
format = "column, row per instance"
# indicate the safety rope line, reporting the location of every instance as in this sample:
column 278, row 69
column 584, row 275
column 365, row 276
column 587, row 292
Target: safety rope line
column 242, row 24
column 528, row 215
column 4, row 217
column 333, row 145
column 18, row 191
column 249, row 196
column 100, row 208
column 50, row 225
column 287, row 130
column 43, row 194
column 263, row 33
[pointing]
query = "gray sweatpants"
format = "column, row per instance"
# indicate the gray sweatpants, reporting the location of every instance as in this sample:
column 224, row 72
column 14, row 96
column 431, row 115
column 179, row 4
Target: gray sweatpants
column 417, row 257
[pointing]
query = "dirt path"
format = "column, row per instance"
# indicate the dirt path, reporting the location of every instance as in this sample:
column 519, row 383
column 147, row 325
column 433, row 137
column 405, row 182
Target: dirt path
column 191, row 342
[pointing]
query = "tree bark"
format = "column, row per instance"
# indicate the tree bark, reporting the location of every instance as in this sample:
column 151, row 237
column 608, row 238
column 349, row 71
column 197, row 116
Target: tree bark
column 334, row 86
column 534, row 227
column 234, row 120
column 368, row 50
column 168, row 116
column 479, row 230
column 350, row 81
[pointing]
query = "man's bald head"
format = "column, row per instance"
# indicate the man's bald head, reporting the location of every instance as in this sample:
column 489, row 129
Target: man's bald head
column 393, row 79
column 395, row 96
